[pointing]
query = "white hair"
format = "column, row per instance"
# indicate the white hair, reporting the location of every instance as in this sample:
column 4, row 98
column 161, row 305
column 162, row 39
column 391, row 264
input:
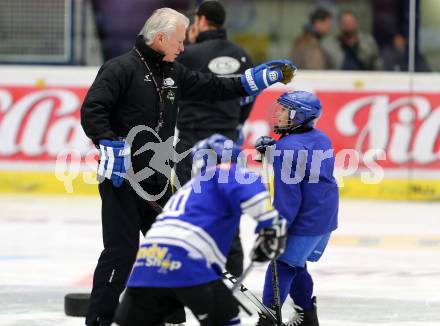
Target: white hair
column 162, row 20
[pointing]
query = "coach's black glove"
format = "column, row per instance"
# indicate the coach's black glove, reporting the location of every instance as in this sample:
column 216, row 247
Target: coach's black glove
column 270, row 242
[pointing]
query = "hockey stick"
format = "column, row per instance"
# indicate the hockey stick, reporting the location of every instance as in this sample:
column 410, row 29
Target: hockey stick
column 273, row 263
column 240, row 280
column 252, row 298
column 238, row 283
column 276, row 292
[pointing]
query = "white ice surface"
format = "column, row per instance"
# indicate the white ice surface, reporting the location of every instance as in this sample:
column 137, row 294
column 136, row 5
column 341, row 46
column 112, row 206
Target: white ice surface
column 49, row 247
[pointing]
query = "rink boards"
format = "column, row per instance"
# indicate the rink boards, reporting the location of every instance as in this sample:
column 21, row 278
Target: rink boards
column 384, row 127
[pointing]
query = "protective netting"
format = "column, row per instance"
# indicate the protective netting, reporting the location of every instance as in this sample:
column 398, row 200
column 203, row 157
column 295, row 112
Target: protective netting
column 35, row 30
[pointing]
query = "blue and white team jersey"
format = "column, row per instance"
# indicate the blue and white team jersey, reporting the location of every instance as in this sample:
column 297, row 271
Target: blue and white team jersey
column 305, row 191
column 189, row 242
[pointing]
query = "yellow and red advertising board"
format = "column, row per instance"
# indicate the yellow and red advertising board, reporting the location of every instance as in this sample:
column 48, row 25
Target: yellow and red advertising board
column 384, row 128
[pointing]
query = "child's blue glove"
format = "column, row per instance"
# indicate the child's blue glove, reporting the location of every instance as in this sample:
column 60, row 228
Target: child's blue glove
column 254, row 80
column 114, row 159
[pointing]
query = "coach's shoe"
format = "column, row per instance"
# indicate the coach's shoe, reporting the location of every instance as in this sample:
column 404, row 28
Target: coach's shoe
column 304, row 317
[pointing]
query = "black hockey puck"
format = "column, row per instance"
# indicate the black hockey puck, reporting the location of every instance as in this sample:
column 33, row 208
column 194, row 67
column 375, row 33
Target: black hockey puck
column 76, row 304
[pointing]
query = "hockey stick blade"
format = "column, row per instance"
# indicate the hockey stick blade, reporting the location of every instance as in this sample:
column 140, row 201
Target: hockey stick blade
column 252, row 298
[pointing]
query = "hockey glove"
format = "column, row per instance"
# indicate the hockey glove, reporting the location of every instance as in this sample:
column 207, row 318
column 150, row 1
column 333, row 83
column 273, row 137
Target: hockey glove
column 261, row 146
column 114, row 159
column 263, row 142
column 287, row 68
column 256, row 79
column 270, row 242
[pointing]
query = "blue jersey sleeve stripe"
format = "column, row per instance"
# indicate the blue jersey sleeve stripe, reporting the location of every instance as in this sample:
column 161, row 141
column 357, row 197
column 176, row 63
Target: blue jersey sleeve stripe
column 183, row 240
column 189, row 247
column 207, row 242
column 191, row 230
column 254, row 200
column 260, row 209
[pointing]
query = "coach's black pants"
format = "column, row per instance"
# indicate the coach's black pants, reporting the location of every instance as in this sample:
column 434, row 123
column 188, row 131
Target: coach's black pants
column 124, row 214
column 188, row 139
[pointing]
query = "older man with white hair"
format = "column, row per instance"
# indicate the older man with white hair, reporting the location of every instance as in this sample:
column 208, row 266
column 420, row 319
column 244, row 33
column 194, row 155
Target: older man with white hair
column 141, row 89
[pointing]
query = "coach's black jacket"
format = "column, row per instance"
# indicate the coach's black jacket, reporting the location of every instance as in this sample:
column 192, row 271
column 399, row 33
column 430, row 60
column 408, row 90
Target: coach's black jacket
column 122, row 97
column 213, row 53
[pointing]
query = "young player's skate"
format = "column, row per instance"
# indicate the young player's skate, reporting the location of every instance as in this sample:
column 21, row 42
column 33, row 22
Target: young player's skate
column 305, row 194
column 304, row 317
column 181, row 259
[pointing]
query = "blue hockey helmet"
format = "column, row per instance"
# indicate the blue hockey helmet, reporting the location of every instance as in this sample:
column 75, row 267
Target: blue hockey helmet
column 295, row 109
column 214, row 150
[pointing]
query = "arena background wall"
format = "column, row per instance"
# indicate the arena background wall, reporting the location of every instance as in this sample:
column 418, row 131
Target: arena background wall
column 384, row 127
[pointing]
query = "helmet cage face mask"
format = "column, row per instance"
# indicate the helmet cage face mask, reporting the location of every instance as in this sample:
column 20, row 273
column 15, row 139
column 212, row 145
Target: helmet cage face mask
column 288, row 115
column 281, row 118
column 285, row 119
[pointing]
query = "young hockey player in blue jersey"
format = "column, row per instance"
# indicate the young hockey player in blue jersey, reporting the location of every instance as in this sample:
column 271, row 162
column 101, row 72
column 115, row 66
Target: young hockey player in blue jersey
column 305, row 194
column 181, row 260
